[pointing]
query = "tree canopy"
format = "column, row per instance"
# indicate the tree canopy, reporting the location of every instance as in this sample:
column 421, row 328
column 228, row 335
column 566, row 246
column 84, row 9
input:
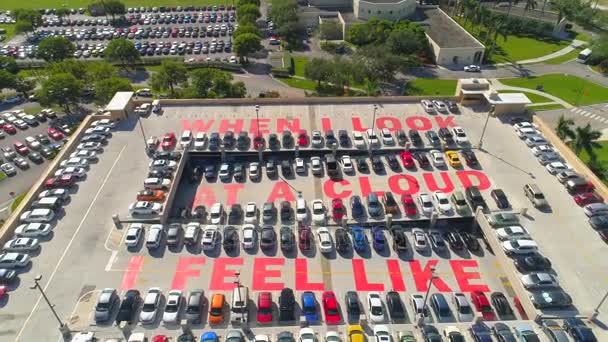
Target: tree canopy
column 8, row 64
column 213, row 83
column 248, row 13
column 106, row 88
column 62, row 89
column 122, row 51
column 54, row 49
column 170, row 74
column 246, row 44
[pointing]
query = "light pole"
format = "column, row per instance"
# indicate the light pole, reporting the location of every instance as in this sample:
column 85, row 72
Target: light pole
column 257, row 117
column 62, row 327
column 374, row 118
column 426, row 296
column 596, row 311
column 238, row 286
column 483, row 132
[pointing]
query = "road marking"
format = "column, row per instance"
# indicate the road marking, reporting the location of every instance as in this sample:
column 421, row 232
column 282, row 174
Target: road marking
column 586, row 114
column 577, row 110
column 67, row 247
column 593, row 116
column 111, row 260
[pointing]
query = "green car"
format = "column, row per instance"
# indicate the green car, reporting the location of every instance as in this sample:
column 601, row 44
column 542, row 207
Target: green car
column 406, row 336
column 503, row 219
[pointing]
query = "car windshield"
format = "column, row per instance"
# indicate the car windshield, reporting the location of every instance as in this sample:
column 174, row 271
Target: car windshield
column 486, row 308
column 171, row 307
column 376, row 310
column 539, row 196
column 216, row 311
column 102, row 306
column 443, row 201
column 148, row 307
column 464, row 309
column 193, row 309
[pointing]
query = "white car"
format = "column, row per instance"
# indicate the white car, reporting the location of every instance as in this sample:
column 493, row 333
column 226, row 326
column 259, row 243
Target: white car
column 145, row 208
column 14, row 260
column 102, row 130
column 527, row 132
column 22, row 244
column 249, row 235
column 300, row 166
column 216, row 213
column 538, row 150
column 134, row 235
column 316, row 139
column 437, row 158
column 463, row 308
column 442, row 202
column 511, row 233
column 347, row 164
column 452, row 333
column 381, row 333
column 157, row 183
column 549, row 157
column 186, row 139
column 563, row 177
column 224, row 172
column 332, row 336
column 261, row 338
column 149, row 309
column 104, row 123
column 89, row 146
column 440, row 106
column 316, row 165
column 460, row 136
column 254, row 171
column 78, row 172
column 427, row 106
column 387, row 137
column 419, row 307
column 210, row 238
column 162, row 164
column 75, row 162
column 251, row 213
column 90, row 155
column 301, row 210
column 472, row 68
column 539, row 280
column 33, row 229
column 326, row 244
column 358, row 140
column 318, row 211
column 306, row 335
column 519, row 247
column 535, row 140
column 200, row 140
column 420, row 241
column 426, row 203
column 37, row 215
column 372, row 138
column 32, row 143
column 374, row 307
column 524, row 124
column 556, row 167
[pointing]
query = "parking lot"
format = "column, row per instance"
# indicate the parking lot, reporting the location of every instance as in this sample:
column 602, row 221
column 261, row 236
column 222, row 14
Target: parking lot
column 86, row 232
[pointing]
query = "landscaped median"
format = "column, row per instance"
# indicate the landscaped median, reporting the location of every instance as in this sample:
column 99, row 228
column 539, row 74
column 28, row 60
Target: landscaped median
column 430, row 86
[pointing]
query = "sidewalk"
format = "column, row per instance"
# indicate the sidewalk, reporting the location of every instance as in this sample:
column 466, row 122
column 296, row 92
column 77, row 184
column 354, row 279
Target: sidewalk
column 499, row 86
column 575, row 44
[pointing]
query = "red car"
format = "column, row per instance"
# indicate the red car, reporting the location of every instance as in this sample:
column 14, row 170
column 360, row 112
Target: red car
column 3, row 291
column 302, row 138
column 160, row 338
column 168, row 141
column 409, row 205
column 407, row 159
column 61, row 181
column 258, row 141
column 21, row 148
column 305, row 242
column 587, row 198
column 264, row 307
column 330, row 306
column 482, row 305
column 337, row 209
column 54, row 133
column 10, row 129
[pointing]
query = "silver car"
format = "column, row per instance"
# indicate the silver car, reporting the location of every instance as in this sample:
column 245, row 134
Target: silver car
column 21, row 245
column 14, row 260
column 149, row 310
column 106, row 303
column 539, row 280
column 173, row 307
column 463, row 308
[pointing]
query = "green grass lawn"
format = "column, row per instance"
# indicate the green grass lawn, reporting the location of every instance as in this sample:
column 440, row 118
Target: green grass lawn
column 13, row 4
column 535, row 98
column 431, row 86
column 10, row 31
column 564, row 58
column 517, row 48
column 298, row 64
column 572, row 89
column 546, row 107
column 17, row 201
column 299, row 83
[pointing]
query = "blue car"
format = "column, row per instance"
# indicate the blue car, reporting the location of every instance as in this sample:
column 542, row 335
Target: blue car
column 379, row 240
column 359, row 240
column 309, row 306
column 357, row 207
column 209, row 337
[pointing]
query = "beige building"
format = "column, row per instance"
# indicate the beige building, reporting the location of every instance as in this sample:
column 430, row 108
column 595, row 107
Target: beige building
column 479, row 91
column 384, row 9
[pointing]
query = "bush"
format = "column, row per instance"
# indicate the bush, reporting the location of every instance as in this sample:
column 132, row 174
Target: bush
column 604, row 66
column 288, row 62
column 280, row 72
column 334, row 48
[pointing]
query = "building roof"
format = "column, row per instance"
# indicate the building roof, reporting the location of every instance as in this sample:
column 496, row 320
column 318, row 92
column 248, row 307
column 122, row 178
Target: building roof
column 119, row 101
column 383, row 1
column 506, row 98
column 444, row 31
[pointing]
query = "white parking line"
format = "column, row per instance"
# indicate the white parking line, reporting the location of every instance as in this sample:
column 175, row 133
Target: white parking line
column 593, row 116
column 67, row 247
column 577, row 110
column 586, row 113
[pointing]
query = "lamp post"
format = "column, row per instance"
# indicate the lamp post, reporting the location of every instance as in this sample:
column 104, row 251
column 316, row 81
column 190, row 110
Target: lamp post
column 257, row 117
column 374, row 118
column 596, row 311
column 238, row 286
column 426, row 296
column 62, row 326
column 483, row 132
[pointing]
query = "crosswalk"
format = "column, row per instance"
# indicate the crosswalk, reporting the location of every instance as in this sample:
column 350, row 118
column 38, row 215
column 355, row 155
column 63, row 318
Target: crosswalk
column 590, row 115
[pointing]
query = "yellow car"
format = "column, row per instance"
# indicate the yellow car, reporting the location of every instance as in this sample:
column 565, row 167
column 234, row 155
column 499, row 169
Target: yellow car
column 355, row 333
column 453, row 158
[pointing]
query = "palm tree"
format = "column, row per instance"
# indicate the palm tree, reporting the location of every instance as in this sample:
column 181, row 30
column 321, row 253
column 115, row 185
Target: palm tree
column 511, row 3
column 563, row 128
column 585, row 140
column 530, row 5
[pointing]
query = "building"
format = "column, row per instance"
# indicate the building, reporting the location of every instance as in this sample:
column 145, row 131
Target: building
column 384, row 9
column 479, row 91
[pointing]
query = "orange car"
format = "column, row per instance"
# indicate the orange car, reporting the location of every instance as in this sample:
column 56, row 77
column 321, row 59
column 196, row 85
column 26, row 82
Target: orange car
column 151, row 195
column 216, row 309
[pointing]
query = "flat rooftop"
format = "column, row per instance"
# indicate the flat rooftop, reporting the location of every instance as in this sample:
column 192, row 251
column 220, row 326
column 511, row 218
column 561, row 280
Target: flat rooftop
column 443, row 30
column 383, row 1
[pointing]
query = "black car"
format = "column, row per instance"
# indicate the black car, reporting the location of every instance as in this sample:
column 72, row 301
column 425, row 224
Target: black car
column 239, row 172
column 168, row 155
column 503, row 333
column 400, row 243
column 214, row 141
column 160, row 174
column 356, row 206
column 43, row 139
column 430, row 333
column 377, row 164
column 393, row 162
column 243, row 141
column 228, row 139
column 287, row 303
column 7, row 276
column 343, row 138
column 210, row 172
column 330, row 138
column 469, row 157
column 452, row 106
column 362, row 165
column 532, row 263
column 474, row 197
column 480, row 332
column 268, row 237
column 433, row 137
column 500, row 198
column 287, row 139
column 579, row 331
column 421, row 158
column 273, row 141
column 285, row 212
column 286, row 168
column 47, row 152
column 35, row 157
column 454, row 240
column 501, row 304
column 470, row 241
column 353, row 308
column 287, row 239
column 235, row 213
column 415, row 137
column 599, row 222
column 231, row 238
column 342, row 240
column 395, row 306
column 271, row 168
column 446, row 135
column 401, row 137
column 128, row 307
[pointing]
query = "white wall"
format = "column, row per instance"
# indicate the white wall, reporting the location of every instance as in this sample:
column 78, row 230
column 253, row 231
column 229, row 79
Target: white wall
column 388, row 11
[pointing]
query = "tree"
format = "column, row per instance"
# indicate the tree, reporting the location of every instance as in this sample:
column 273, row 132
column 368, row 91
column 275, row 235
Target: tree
column 113, row 7
column 246, row 28
column 291, row 33
column 99, row 70
column 563, row 128
column 530, row 5
column 23, row 26
column 7, row 80
column 240, row 3
column 378, row 62
column 604, row 66
column 62, row 89
column 585, row 140
column 24, row 85
column 213, row 83
column 600, row 49
column 404, row 42
column 62, row 12
column 106, row 88
column 330, row 30
column 30, row 15
column 8, row 64
column 123, row 52
column 54, row 49
column 170, row 74
column 317, row 69
column 74, row 67
column 246, row 44
column 248, row 13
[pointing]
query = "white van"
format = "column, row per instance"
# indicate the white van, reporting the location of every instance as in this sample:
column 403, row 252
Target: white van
column 240, row 298
column 186, row 139
column 144, row 109
column 583, row 57
column 156, row 106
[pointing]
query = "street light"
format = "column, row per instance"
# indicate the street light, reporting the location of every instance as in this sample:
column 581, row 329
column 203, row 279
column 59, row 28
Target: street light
column 374, row 118
column 483, row 132
column 426, row 296
column 238, row 286
column 257, row 117
column 596, row 311
column 62, row 326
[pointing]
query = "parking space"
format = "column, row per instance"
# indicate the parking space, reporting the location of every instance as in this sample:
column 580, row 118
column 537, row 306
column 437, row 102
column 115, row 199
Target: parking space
column 504, row 162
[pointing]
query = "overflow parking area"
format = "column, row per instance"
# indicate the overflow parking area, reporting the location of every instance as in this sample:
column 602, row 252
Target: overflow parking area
column 87, row 243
